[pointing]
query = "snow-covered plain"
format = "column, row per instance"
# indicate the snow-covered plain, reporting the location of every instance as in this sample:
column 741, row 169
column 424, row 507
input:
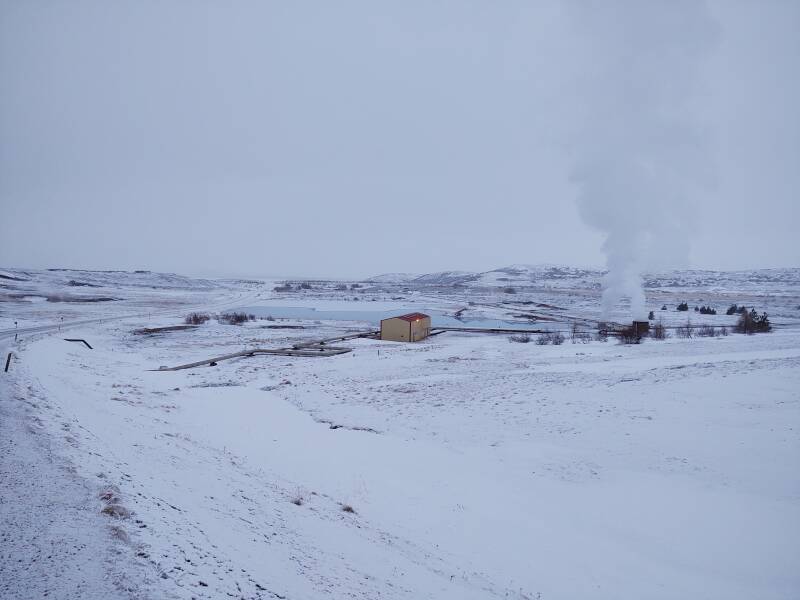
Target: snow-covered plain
column 464, row 466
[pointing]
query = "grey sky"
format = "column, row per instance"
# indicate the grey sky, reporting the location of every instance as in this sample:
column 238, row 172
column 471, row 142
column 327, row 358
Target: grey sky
column 353, row 138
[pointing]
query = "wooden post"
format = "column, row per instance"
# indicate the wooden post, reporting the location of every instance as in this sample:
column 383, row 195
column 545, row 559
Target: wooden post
column 8, row 361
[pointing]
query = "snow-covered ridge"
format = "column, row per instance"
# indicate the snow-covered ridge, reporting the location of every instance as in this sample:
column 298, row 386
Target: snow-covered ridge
column 82, row 280
column 561, row 275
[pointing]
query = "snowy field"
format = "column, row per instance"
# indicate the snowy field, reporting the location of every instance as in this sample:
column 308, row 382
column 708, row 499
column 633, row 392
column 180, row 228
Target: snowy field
column 461, row 467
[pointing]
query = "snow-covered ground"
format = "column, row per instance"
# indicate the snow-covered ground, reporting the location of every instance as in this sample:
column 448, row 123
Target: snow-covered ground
column 464, row 466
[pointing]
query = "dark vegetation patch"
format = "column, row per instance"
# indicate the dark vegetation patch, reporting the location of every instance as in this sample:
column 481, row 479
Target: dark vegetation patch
column 752, row 322
column 629, row 335
column 197, row 318
column 235, row 318
column 154, row 330
column 734, row 309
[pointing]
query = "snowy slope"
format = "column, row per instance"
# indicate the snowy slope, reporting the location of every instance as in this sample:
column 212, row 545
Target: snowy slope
column 474, row 467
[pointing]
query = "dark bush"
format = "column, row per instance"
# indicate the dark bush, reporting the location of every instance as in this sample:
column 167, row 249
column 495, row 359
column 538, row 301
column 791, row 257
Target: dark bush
column 305, row 286
column 733, row 309
column 235, row 318
column 651, row 315
column 196, row 318
column 341, row 287
column 752, row 322
column 683, row 307
column 286, row 287
column 707, row 310
column 629, row 336
column 509, row 290
column 522, row 338
column 664, row 307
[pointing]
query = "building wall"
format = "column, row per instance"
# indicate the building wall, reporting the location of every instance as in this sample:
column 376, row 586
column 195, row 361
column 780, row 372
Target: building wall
column 420, row 329
column 398, row 330
column 395, row 330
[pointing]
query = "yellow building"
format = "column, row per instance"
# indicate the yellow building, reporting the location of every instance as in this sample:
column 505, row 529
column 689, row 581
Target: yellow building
column 412, row 327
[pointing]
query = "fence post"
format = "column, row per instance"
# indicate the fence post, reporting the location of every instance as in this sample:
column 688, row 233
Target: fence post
column 8, row 361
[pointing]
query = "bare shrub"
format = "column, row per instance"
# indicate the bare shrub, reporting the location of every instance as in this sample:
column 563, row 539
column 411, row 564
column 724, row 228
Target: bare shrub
column 196, row 318
column 722, row 332
column 602, row 334
column 583, row 337
column 576, row 335
column 659, row 332
column 522, row 338
column 347, row 508
column 684, row 331
column 705, row 331
column 556, row 338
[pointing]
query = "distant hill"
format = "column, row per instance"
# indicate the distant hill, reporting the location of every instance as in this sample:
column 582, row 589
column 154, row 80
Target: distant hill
column 521, row 275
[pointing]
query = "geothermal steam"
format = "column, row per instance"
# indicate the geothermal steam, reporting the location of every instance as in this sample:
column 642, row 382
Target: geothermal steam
column 639, row 154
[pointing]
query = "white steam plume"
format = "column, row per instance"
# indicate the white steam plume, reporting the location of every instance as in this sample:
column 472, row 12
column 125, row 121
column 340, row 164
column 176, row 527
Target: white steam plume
column 639, row 154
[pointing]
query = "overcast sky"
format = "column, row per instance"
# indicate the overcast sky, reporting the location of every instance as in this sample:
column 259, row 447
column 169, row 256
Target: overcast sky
column 355, row 138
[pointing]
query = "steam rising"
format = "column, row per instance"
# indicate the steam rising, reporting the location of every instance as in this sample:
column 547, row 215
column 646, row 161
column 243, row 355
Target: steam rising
column 639, row 154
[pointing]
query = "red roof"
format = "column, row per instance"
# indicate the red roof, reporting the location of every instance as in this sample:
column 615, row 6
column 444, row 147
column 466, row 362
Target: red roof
column 415, row 316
